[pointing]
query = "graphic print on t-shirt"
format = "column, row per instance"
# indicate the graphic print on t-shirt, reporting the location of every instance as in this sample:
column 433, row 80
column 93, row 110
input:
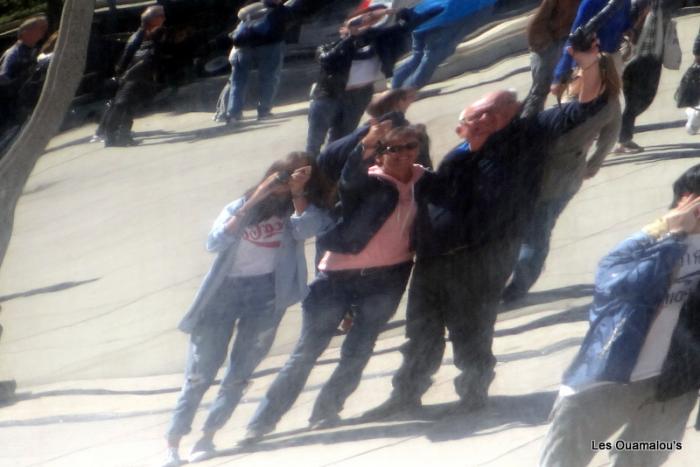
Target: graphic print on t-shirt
column 265, row 234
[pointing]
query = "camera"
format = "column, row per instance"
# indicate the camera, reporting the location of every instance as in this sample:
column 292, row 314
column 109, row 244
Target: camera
column 283, row 177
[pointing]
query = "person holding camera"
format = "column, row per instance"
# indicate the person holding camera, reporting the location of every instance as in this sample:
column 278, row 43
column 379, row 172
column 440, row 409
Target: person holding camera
column 367, row 263
column 259, row 271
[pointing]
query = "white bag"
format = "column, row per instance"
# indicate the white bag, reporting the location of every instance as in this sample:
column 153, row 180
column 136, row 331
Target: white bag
column 672, row 48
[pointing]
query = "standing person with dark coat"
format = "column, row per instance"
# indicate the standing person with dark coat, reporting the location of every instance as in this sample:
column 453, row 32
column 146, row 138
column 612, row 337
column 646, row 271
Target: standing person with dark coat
column 546, row 35
column 638, row 368
column 693, row 113
column 642, row 74
column 367, row 263
column 471, row 215
column 17, row 64
column 351, row 65
column 259, row 43
column 136, row 72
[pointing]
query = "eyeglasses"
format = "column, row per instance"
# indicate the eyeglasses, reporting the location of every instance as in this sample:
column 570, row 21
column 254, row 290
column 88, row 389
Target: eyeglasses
column 396, row 148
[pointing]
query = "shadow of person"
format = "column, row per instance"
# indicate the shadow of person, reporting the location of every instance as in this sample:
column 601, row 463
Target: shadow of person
column 437, row 422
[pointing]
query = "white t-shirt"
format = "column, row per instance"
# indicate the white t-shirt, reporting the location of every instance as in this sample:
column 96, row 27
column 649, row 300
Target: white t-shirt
column 658, row 340
column 364, row 72
column 258, row 247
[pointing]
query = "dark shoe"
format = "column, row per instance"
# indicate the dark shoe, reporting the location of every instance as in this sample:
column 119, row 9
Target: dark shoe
column 121, row 142
column 472, row 404
column 265, row 115
column 512, row 294
column 325, row 422
column 392, row 406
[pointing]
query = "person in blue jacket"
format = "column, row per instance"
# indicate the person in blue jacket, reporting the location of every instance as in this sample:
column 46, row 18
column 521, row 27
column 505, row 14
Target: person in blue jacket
column 435, row 40
column 259, row 271
column 638, row 368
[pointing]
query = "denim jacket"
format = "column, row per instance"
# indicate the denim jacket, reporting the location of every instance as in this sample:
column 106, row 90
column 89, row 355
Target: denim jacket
column 630, row 286
column 290, row 262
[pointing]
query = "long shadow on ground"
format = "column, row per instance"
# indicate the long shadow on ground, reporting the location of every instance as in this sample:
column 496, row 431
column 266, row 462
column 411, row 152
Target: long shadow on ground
column 438, row 423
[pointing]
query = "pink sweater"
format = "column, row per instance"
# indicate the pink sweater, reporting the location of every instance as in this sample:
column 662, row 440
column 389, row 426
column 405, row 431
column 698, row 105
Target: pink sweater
column 391, row 244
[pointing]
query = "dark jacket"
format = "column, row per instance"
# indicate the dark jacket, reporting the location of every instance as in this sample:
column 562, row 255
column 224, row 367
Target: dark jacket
column 475, row 198
column 631, row 284
column 365, row 204
column 269, row 29
column 389, row 44
column 130, row 49
column 334, row 156
column 696, row 46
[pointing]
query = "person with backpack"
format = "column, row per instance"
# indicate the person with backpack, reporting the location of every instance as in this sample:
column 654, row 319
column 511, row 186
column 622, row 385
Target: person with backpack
column 258, row 42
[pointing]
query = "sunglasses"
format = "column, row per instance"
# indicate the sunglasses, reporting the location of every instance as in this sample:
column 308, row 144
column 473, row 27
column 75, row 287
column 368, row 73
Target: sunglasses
column 397, row 148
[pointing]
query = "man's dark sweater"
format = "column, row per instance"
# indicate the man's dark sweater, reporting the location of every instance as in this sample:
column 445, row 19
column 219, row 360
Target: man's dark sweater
column 484, row 196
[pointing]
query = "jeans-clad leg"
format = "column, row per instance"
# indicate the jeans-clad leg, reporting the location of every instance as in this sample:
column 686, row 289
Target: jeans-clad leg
column 535, row 246
column 352, row 106
column 269, row 59
column 208, row 345
column 378, row 296
column 322, row 112
column 240, row 70
column 257, row 327
column 323, row 309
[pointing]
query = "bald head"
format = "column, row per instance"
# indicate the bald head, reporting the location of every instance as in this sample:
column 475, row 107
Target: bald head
column 486, row 116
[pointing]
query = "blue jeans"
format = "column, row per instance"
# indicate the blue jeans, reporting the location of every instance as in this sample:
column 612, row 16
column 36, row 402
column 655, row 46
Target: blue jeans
column 249, row 301
column 535, row 246
column 336, row 116
column 432, row 48
column 376, row 293
column 268, row 60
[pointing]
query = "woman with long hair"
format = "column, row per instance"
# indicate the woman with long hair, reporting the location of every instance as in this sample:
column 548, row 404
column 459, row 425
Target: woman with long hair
column 259, row 271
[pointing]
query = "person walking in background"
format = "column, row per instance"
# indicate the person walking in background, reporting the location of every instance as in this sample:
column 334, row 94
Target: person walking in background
column 638, row 368
column 436, row 39
column 367, row 263
column 566, row 166
column 259, row 271
column 546, row 35
column 350, row 66
column 693, row 113
column 641, row 75
column 136, row 71
column 348, row 69
column 259, row 43
column 16, row 66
